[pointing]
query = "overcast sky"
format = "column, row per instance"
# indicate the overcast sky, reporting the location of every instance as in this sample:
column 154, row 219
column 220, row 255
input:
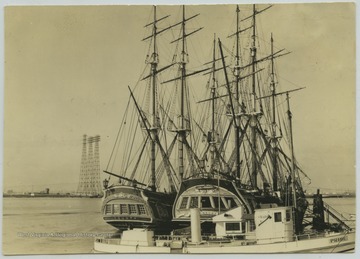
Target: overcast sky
column 67, row 69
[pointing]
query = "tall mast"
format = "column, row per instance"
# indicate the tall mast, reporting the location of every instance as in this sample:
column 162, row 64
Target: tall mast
column 237, row 75
column 213, row 87
column 254, row 124
column 292, row 152
column 154, row 129
column 182, row 132
column 274, row 139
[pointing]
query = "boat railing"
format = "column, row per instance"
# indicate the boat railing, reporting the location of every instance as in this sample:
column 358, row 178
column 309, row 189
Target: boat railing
column 114, row 239
column 308, row 236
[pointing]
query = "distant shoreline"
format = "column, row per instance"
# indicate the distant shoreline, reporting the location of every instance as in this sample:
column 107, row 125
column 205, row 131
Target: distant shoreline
column 340, row 195
column 47, row 196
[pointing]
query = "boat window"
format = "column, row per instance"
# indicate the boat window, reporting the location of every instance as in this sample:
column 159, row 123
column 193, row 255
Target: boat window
column 252, row 225
column 277, row 216
column 184, row 202
column 124, row 209
column 141, row 209
column 205, row 202
column 288, row 215
column 232, row 226
column 194, row 202
column 216, row 203
column 116, row 209
column 230, row 202
column 132, row 209
column 243, row 227
column 108, row 209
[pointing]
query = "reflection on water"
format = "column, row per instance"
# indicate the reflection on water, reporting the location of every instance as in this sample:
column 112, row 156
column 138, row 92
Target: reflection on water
column 68, row 225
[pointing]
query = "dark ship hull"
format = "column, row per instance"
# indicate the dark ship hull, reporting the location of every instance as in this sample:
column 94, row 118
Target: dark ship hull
column 126, row 207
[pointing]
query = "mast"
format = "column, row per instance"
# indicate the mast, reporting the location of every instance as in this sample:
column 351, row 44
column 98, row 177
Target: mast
column 274, row 139
column 253, row 125
column 237, row 75
column 154, row 129
column 182, row 131
column 213, row 87
column 292, row 152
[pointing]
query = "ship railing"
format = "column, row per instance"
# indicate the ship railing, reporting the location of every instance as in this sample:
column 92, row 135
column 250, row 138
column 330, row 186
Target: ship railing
column 336, row 215
column 114, row 239
column 308, row 236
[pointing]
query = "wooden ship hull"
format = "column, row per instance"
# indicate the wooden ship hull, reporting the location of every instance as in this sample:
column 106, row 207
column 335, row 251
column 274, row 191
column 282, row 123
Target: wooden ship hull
column 127, row 207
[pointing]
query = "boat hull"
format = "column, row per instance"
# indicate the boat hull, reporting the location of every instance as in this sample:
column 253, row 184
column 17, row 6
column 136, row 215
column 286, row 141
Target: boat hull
column 334, row 243
column 126, row 207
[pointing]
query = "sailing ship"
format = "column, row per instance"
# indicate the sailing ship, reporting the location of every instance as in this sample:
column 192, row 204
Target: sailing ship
column 223, row 185
column 130, row 202
column 245, row 188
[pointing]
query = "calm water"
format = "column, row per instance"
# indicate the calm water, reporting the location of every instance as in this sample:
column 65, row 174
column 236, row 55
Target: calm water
column 57, row 216
column 25, row 219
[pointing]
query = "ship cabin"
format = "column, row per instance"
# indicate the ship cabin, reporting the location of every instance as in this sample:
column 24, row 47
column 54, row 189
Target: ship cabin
column 269, row 224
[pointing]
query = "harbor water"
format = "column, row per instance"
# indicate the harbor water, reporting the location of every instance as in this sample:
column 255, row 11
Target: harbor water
column 69, row 225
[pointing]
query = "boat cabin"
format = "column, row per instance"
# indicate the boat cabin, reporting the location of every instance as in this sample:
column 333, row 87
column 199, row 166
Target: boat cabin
column 235, row 223
column 274, row 224
column 267, row 225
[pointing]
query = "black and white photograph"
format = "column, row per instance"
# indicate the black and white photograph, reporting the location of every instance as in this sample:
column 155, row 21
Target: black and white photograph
column 179, row 129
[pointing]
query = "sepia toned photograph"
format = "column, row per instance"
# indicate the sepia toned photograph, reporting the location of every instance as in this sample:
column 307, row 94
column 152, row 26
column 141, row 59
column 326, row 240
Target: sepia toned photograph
column 179, row 129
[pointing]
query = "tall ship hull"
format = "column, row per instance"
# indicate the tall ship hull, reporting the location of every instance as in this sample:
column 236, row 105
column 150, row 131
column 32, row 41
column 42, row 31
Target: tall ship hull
column 127, row 207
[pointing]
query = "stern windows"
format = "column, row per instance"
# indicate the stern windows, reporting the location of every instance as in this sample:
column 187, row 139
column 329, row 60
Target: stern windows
column 184, row 202
column 205, row 202
column 132, row 209
column 141, row 209
column 194, row 202
column 230, row 202
column 277, row 216
column 108, row 209
column 124, row 208
column 216, row 203
column 208, row 202
column 116, row 209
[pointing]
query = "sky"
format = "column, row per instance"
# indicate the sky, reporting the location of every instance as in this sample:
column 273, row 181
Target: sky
column 67, row 69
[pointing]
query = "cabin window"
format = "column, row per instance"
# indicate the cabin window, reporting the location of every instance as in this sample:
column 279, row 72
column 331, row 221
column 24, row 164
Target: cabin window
column 108, row 209
column 288, row 215
column 230, row 202
column 205, row 202
column 141, row 209
column 132, row 209
column 277, row 216
column 252, row 225
column 243, row 227
column 194, row 202
column 116, row 209
column 232, row 226
column 184, row 202
column 124, row 209
column 216, row 203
